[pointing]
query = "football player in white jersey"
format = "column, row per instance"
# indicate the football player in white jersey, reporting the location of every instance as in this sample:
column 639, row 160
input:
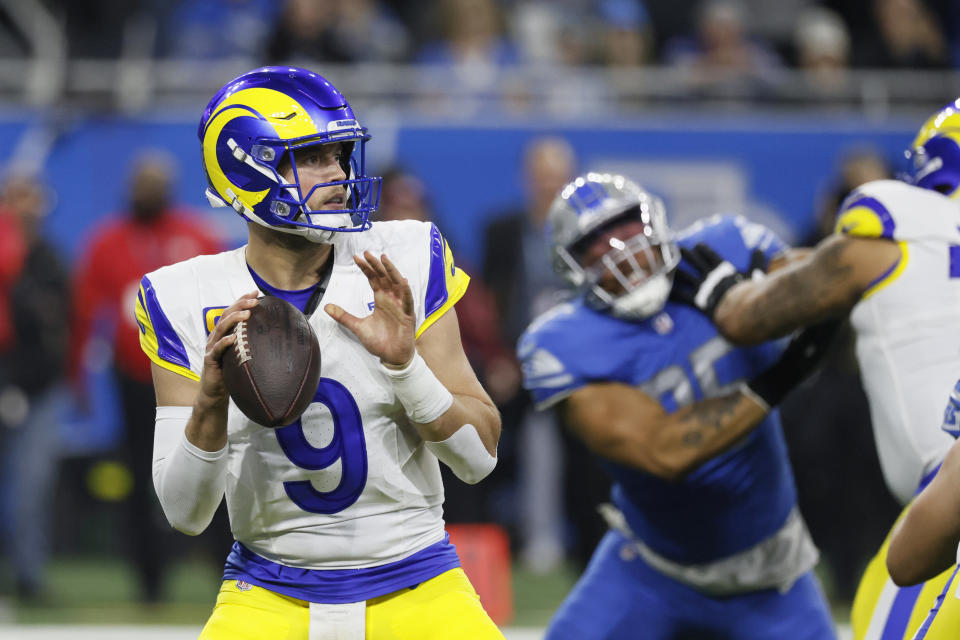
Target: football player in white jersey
column 926, row 541
column 337, row 516
column 894, row 264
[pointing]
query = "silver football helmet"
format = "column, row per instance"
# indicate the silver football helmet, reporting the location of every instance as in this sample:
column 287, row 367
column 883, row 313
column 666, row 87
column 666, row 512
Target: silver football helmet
column 642, row 261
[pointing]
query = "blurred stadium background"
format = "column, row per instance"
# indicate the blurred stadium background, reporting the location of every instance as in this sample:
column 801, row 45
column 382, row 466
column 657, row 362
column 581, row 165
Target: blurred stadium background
column 768, row 109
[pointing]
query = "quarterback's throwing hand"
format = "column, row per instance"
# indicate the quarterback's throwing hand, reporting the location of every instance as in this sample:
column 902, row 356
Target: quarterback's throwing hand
column 388, row 332
column 222, row 336
column 704, row 277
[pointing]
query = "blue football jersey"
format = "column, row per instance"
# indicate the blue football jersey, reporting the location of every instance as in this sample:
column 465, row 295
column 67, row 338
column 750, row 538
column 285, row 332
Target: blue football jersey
column 734, row 500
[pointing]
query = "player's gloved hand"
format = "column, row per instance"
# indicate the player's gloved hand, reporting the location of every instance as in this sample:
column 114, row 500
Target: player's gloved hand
column 798, row 361
column 709, row 277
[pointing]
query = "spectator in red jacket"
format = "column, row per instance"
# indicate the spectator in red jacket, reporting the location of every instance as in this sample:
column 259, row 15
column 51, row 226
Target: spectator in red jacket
column 13, row 250
column 150, row 234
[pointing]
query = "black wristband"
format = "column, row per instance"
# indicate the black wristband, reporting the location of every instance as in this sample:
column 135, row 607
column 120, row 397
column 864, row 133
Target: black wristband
column 798, row 361
column 772, row 386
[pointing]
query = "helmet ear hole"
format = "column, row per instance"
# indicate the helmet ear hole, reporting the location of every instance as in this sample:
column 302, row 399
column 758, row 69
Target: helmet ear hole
column 285, row 165
column 345, row 159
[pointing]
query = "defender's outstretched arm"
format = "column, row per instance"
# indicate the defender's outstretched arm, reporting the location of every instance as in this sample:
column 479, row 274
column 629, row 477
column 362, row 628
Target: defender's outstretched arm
column 826, row 283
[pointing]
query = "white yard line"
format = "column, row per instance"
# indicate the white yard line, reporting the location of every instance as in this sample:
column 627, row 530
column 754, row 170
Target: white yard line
column 83, row 632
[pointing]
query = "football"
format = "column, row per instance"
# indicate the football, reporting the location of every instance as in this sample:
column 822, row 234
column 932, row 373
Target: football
column 272, row 369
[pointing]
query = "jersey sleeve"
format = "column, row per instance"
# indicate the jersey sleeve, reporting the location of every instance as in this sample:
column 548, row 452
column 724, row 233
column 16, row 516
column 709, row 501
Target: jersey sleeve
column 756, row 236
column 733, row 237
column 541, row 352
column 165, row 334
column 865, row 215
column 898, row 211
column 445, row 282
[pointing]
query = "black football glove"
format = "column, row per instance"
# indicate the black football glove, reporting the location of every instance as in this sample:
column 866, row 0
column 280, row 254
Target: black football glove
column 710, row 277
column 798, row 361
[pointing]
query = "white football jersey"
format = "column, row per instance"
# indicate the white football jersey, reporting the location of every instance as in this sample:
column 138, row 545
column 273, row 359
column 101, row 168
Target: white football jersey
column 908, row 325
column 351, row 484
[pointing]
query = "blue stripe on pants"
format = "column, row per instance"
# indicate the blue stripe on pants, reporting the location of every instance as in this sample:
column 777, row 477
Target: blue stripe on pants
column 899, row 615
column 922, row 631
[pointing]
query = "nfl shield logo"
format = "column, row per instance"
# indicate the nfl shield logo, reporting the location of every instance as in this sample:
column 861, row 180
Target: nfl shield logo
column 244, row 586
column 663, row 324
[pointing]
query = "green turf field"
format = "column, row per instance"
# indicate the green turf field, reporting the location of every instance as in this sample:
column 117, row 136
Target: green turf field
column 102, row 591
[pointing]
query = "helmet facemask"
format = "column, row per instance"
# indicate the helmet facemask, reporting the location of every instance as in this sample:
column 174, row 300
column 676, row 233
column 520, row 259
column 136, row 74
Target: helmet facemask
column 360, row 197
column 633, row 278
column 625, row 265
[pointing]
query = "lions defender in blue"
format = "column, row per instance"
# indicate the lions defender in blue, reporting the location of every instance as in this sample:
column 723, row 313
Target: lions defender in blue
column 706, row 540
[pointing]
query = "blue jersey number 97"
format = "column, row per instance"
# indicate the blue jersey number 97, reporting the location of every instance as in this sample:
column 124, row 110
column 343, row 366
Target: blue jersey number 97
column 347, row 446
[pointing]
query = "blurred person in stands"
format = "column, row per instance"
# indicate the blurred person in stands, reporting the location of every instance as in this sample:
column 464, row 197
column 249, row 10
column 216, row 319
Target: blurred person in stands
column 550, row 37
column 468, row 54
column 705, row 540
column 514, row 242
column 626, row 34
column 907, row 36
column 403, row 196
column 341, row 31
column 152, row 232
column 33, row 346
column 93, row 29
column 471, row 36
column 721, row 58
column 213, row 29
column 892, row 264
column 822, row 49
column 525, row 286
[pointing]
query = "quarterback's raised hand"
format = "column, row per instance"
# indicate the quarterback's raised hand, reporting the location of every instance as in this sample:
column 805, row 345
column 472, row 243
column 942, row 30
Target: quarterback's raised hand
column 709, row 277
column 388, row 332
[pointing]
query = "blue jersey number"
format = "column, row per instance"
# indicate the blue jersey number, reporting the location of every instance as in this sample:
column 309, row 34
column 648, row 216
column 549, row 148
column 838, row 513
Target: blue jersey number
column 347, row 446
column 673, row 386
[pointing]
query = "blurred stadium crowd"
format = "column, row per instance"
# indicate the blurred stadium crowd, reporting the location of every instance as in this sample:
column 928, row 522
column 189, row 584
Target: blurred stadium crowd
column 570, row 57
column 749, row 36
column 566, row 58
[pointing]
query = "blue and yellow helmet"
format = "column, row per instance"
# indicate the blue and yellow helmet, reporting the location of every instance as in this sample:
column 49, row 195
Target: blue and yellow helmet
column 255, row 122
column 934, row 156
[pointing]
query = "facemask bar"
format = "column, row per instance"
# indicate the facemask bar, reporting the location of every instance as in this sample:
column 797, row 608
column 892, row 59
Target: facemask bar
column 289, row 206
column 655, row 232
column 622, row 262
column 919, row 165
